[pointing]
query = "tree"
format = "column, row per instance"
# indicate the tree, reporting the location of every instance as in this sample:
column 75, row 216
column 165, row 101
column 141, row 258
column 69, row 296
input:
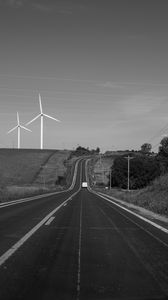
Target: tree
column 146, row 148
column 119, row 172
column 143, row 170
column 81, row 151
column 97, row 150
column 163, row 155
column 85, row 151
column 163, row 149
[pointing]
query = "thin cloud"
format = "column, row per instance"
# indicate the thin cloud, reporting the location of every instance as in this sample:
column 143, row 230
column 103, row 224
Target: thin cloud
column 59, row 7
column 109, row 84
column 13, row 3
column 41, row 7
column 123, row 84
column 141, row 105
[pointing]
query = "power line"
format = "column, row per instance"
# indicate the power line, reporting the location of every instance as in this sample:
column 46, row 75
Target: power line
column 159, row 132
column 155, row 146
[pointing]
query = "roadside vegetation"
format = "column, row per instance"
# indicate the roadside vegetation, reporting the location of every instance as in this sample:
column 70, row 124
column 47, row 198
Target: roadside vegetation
column 148, row 177
column 82, row 151
column 153, row 197
column 27, row 172
column 143, row 170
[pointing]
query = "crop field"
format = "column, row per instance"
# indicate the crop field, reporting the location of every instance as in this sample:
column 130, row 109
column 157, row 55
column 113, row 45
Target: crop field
column 27, row 172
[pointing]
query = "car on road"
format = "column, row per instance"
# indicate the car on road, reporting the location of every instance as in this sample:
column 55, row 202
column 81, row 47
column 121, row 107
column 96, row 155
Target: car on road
column 84, row 184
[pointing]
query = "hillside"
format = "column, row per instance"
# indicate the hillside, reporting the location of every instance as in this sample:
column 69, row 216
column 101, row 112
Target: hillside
column 18, row 167
column 31, row 171
column 56, row 171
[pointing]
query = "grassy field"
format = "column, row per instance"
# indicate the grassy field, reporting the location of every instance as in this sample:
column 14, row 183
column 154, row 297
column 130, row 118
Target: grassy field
column 18, row 167
column 27, row 172
column 154, row 197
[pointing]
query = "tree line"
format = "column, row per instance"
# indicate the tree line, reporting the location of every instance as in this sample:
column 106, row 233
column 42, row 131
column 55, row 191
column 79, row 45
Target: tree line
column 82, row 151
column 144, row 167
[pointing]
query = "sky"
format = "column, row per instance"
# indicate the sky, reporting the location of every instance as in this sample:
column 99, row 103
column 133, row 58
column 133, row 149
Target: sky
column 100, row 66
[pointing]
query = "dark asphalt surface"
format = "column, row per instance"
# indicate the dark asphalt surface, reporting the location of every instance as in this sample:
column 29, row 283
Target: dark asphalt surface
column 91, row 250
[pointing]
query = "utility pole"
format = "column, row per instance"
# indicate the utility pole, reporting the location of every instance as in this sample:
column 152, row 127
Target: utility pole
column 100, row 159
column 128, row 180
column 110, row 178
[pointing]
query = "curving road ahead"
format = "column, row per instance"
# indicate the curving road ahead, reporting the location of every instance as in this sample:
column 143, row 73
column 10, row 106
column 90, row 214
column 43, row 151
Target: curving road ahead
column 79, row 245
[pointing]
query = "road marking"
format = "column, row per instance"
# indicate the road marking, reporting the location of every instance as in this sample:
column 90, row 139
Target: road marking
column 140, row 217
column 16, row 246
column 144, row 229
column 135, row 214
column 79, row 246
column 49, row 221
column 79, row 254
column 66, row 203
column 144, row 263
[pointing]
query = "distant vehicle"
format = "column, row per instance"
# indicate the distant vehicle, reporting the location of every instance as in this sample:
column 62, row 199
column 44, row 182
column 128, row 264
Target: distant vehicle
column 84, row 184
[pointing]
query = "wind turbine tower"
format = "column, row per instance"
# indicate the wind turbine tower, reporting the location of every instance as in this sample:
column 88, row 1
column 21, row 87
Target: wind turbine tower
column 18, row 127
column 41, row 116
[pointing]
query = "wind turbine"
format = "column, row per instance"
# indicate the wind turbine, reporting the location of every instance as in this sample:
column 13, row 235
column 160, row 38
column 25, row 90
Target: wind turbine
column 41, row 116
column 18, row 127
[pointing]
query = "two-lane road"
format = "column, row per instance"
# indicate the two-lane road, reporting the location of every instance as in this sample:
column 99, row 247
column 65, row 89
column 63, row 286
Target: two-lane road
column 89, row 248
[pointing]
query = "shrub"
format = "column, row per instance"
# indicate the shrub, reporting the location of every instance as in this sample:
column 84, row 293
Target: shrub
column 61, row 180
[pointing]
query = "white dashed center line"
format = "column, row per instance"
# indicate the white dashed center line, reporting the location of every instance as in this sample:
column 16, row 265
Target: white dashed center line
column 49, row 221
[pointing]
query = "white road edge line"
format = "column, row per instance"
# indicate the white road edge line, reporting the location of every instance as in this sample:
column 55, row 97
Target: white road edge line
column 49, row 221
column 16, row 246
column 126, row 209
column 133, row 213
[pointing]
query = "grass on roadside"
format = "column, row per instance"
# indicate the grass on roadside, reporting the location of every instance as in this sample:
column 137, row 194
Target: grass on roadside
column 153, row 197
column 17, row 192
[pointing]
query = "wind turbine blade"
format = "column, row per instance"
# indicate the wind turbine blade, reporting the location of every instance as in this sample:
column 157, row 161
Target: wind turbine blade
column 25, row 128
column 12, row 129
column 33, row 119
column 52, row 118
column 41, row 109
column 18, row 118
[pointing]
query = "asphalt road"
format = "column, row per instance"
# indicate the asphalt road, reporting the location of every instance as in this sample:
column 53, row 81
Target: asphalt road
column 80, row 247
